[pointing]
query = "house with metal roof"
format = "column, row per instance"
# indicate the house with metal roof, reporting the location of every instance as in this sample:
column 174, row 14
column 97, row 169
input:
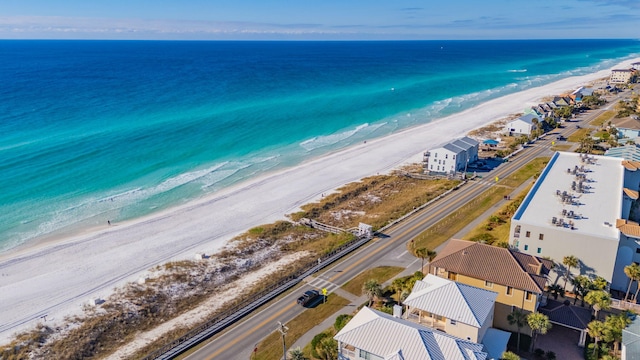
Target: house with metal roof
column 524, row 125
column 452, row 157
column 458, row 309
column 374, row 335
column 518, row 279
column 628, row 127
column 630, row 349
column 581, row 205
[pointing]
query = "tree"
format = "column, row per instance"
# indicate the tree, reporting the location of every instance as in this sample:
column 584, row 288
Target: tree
column 599, row 283
column 327, row 348
column 517, row 318
column 371, row 288
column 614, row 324
column 398, row 285
column 599, row 299
column 508, row 355
column 424, row 253
column 582, row 286
column 297, row 354
column 632, row 271
column 570, row 262
column 539, row 324
column 341, row 321
column 555, row 290
column 596, row 331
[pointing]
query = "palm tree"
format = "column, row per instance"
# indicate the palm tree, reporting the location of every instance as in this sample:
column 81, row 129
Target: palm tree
column 371, row 288
column 517, row 318
column 539, row 324
column 297, row 354
column 398, row 285
column 613, row 329
column 596, row 330
column 599, row 283
column 508, row 355
column 599, row 299
column 582, row 286
column 555, row 290
column 570, row 262
column 424, row 253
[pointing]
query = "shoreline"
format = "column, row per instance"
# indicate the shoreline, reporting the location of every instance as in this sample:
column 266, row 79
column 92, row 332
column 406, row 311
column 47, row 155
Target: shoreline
column 56, row 276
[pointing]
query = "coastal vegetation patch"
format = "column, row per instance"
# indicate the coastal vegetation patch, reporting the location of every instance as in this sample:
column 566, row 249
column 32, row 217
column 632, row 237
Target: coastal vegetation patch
column 375, row 200
column 379, row 274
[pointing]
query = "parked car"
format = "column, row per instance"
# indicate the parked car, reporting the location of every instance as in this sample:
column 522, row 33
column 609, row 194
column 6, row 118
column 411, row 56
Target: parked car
column 308, row 297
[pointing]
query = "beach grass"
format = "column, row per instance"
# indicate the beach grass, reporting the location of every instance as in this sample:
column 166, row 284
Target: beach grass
column 375, row 200
column 603, row 118
column 455, row 222
column 380, row 274
column 270, row 348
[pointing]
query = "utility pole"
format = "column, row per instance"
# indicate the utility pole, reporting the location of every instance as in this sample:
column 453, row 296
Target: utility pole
column 283, row 330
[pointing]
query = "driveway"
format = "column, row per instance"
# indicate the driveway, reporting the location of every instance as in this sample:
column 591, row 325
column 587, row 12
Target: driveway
column 562, row 341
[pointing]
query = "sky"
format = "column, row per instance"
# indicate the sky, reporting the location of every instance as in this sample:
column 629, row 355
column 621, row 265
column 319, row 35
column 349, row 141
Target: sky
column 319, row 20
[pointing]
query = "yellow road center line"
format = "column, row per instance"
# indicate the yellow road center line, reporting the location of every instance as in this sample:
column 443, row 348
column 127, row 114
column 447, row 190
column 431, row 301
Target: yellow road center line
column 254, row 329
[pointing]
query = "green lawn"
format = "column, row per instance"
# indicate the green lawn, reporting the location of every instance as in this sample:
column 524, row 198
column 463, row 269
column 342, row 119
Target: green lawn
column 603, row 118
column 380, row 274
column 579, row 134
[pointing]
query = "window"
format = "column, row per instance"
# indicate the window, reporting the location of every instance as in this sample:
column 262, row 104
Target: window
column 528, row 296
column 454, row 157
column 509, row 290
column 446, row 156
column 435, row 154
column 488, row 284
column 528, row 234
column 452, row 276
column 526, row 247
column 541, row 237
column 539, row 250
column 637, row 250
column 431, row 166
column 365, row 354
column 453, row 322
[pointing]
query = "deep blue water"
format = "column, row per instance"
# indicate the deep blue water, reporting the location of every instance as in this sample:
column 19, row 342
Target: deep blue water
column 97, row 130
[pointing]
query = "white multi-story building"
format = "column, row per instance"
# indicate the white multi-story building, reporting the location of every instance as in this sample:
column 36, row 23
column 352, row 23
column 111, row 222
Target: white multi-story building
column 523, row 125
column 453, row 156
column 621, row 76
column 581, row 205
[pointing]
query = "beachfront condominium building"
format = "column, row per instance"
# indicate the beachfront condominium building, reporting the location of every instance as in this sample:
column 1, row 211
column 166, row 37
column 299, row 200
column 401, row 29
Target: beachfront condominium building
column 524, row 125
column 621, row 76
column 452, row 157
column 518, row 279
column 581, row 205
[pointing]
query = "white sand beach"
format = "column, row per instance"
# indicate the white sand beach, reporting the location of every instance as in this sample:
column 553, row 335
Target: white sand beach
column 57, row 278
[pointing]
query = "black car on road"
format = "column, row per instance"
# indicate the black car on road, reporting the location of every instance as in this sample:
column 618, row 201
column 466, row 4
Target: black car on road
column 308, row 297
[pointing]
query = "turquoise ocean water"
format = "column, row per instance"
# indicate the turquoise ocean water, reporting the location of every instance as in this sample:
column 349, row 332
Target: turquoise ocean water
column 97, row 130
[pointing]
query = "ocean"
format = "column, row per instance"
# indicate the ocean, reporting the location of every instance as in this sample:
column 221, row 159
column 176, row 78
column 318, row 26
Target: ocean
column 97, row 131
